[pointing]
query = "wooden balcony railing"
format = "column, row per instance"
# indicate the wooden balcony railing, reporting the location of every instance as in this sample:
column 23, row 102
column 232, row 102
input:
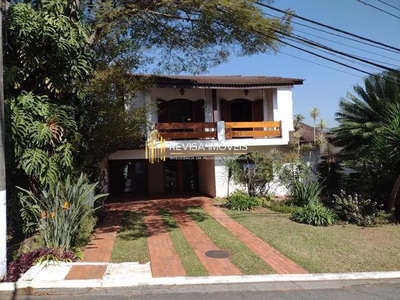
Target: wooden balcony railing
column 253, row 130
column 188, row 131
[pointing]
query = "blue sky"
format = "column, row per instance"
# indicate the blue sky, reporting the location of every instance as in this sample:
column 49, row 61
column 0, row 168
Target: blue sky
column 323, row 87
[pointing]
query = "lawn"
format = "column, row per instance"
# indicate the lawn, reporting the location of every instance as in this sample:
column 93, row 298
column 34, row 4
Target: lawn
column 241, row 256
column 339, row 248
column 131, row 242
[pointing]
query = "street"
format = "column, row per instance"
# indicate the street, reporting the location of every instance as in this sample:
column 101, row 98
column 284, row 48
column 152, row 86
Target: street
column 321, row 290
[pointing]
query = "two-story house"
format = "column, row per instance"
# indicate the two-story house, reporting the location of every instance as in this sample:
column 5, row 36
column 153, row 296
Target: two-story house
column 197, row 121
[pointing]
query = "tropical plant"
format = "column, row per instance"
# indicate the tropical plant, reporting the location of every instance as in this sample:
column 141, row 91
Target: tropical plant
column 314, row 113
column 58, row 214
column 231, row 164
column 314, row 214
column 330, row 172
column 322, row 125
column 242, row 201
column 304, row 191
column 296, row 140
column 362, row 121
column 355, row 209
column 19, row 266
column 48, row 49
column 47, row 56
column 41, row 134
column 387, row 147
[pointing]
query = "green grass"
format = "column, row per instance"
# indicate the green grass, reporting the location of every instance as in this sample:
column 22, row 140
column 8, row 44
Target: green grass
column 338, row 248
column 190, row 261
column 131, row 242
column 241, row 256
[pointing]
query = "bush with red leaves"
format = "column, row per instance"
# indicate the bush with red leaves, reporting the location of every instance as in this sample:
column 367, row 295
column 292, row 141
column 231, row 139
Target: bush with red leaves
column 17, row 267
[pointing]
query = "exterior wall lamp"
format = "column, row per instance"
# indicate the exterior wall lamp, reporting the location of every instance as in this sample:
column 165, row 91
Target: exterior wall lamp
column 246, row 92
column 182, row 91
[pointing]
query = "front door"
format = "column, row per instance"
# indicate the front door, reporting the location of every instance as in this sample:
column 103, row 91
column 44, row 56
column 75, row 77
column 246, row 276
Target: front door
column 190, row 175
column 171, row 183
column 180, row 176
column 128, row 177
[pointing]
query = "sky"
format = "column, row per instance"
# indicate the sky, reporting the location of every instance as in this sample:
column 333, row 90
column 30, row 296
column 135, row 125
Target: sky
column 323, row 87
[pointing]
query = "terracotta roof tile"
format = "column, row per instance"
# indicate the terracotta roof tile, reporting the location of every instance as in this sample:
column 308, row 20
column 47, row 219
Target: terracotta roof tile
column 307, row 133
column 234, row 81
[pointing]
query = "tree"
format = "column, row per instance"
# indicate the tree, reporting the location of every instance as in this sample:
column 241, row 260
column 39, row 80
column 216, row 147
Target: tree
column 47, row 50
column 47, row 55
column 255, row 171
column 322, row 125
column 363, row 121
column 361, row 117
column 230, row 163
column 298, row 119
column 180, row 36
column 387, row 144
column 314, row 113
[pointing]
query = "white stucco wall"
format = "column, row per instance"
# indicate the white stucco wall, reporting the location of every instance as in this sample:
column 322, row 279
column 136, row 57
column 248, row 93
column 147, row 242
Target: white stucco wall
column 136, row 100
column 207, row 177
column 283, row 109
column 221, row 178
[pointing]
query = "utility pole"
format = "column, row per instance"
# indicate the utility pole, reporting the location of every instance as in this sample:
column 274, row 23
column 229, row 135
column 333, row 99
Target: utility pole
column 3, row 202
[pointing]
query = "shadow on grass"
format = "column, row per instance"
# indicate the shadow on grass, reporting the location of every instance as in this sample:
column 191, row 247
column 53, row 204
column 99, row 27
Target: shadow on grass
column 169, row 222
column 197, row 214
column 133, row 226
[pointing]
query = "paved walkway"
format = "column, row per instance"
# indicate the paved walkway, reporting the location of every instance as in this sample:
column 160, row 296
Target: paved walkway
column 99, row 249
column 165, row 261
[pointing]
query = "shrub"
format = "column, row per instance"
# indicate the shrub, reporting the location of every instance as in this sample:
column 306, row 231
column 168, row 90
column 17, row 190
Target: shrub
column 305, row 191
column 282, row 207
column 254, row 171
column 60, row 212
column 27, row 260
column 242, row 201
column 314, row 214
column 355, row 209
column 85, row 230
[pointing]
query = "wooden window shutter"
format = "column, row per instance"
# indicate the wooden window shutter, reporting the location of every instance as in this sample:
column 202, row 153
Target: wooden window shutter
column 163, row 116
column 198, row 111
column 258, row 110
column 225, row 110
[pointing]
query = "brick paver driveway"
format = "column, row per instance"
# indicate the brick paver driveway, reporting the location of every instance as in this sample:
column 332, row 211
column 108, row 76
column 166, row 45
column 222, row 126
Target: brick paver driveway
column 165, row 260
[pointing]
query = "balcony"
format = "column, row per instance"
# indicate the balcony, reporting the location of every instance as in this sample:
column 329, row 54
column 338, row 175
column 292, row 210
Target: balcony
column 253, row 130
column 187, row 131
column 210, row 130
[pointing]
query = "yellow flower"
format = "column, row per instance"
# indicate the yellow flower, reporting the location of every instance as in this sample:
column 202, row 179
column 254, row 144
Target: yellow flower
column 53, row 215
column 66, row 205
column 44, row 214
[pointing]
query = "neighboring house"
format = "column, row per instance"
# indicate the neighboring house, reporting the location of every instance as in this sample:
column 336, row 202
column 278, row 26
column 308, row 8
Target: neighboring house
column 312, row 155
column 198, row 121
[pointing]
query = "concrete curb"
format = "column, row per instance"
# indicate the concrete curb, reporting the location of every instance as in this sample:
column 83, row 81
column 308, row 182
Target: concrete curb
column 7, row 286
column 170, row 281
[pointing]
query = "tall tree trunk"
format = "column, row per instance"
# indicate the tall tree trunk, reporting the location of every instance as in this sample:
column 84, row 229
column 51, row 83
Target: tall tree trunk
column 394, row 194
